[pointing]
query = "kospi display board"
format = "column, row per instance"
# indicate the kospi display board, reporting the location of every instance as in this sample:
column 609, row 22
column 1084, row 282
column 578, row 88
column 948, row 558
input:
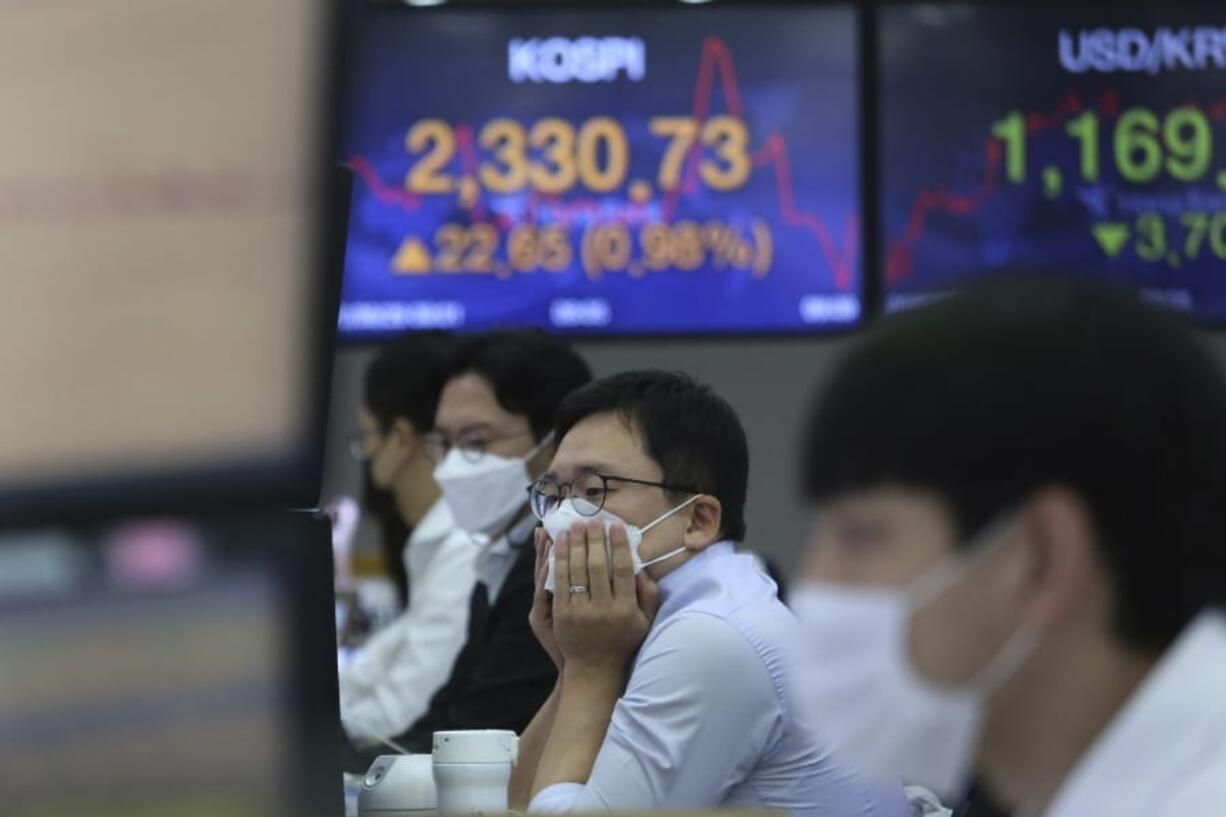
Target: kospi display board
column 648, row 171
column 1088, row 138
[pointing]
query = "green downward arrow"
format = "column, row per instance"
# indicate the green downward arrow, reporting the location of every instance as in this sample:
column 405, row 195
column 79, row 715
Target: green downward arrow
column 1111, row 237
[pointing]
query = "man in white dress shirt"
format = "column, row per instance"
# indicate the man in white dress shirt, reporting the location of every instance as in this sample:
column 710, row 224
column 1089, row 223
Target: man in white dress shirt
column 650, row 478
column 1018, row 567
column 388, row 686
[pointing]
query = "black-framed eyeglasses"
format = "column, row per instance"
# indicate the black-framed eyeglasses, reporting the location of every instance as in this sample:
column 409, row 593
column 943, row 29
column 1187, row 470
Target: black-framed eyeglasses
column 587, row 492
column 472, row 445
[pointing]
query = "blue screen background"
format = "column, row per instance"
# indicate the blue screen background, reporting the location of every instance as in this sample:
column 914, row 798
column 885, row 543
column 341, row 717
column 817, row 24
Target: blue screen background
column 794, row 71
column 948, row 212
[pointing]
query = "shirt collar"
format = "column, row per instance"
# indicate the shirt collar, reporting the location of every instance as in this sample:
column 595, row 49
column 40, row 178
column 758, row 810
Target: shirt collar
column 1173, row 722
column 435, row 526
column 495, row 559
column 692, row 570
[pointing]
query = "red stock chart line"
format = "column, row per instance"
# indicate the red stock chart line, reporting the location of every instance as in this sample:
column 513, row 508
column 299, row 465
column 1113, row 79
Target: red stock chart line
column 715, row 57
column 900, row 255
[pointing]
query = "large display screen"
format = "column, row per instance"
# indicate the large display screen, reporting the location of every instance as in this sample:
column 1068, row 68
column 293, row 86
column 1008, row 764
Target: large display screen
column 1084, row 138
column 643, row 172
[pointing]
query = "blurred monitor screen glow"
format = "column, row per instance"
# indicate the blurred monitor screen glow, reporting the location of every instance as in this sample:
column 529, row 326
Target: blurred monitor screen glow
column 160, row 171
column 168, row 667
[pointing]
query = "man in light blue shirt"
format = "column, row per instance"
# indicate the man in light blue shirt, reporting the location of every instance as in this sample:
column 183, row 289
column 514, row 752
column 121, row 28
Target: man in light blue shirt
column 640, row 507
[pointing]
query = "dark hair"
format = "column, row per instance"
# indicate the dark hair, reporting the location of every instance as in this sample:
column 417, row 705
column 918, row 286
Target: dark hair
column 392, row 532
column 529, row 370
column 688, row 430
column 406, row 376
column 404, row 380
column 1019, row 383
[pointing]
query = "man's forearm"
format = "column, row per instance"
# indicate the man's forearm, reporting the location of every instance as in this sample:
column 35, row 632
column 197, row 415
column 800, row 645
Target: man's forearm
column 531, row 746
column 585, row 706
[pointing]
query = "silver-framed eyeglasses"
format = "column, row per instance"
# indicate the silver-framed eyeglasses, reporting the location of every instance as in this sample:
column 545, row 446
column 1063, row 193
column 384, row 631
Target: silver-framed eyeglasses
column 472, row 445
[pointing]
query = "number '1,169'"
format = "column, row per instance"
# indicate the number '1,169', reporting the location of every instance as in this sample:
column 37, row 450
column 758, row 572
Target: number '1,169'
column 1143, row 145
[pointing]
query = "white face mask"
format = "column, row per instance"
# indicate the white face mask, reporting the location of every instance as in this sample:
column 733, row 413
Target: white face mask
column 559, row 520
column 867, row 701
column 484, row 496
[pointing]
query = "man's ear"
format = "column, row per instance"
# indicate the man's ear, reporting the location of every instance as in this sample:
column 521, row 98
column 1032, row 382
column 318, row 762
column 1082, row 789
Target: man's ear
column 405, row 437
column 1065, row 557
column 705, row 522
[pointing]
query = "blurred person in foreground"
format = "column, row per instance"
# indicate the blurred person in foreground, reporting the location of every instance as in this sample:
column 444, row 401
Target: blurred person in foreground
column 492, row 437
column 1016, row 567
column 388, row 686
column 676, row 682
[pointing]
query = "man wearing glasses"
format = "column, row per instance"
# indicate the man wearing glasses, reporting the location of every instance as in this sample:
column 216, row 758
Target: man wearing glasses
column 491, row 438
column 388, row 685
column 675, row 681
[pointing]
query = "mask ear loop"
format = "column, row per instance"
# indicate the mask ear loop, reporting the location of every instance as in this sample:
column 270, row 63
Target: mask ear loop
column 934, row 583
column 660, row 519
column 1007, row 661
column 667, row 514
column 930, row 586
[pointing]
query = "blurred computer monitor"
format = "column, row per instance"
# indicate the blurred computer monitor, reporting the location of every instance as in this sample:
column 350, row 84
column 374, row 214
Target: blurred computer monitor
column 169, row 666
column 168, row 220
